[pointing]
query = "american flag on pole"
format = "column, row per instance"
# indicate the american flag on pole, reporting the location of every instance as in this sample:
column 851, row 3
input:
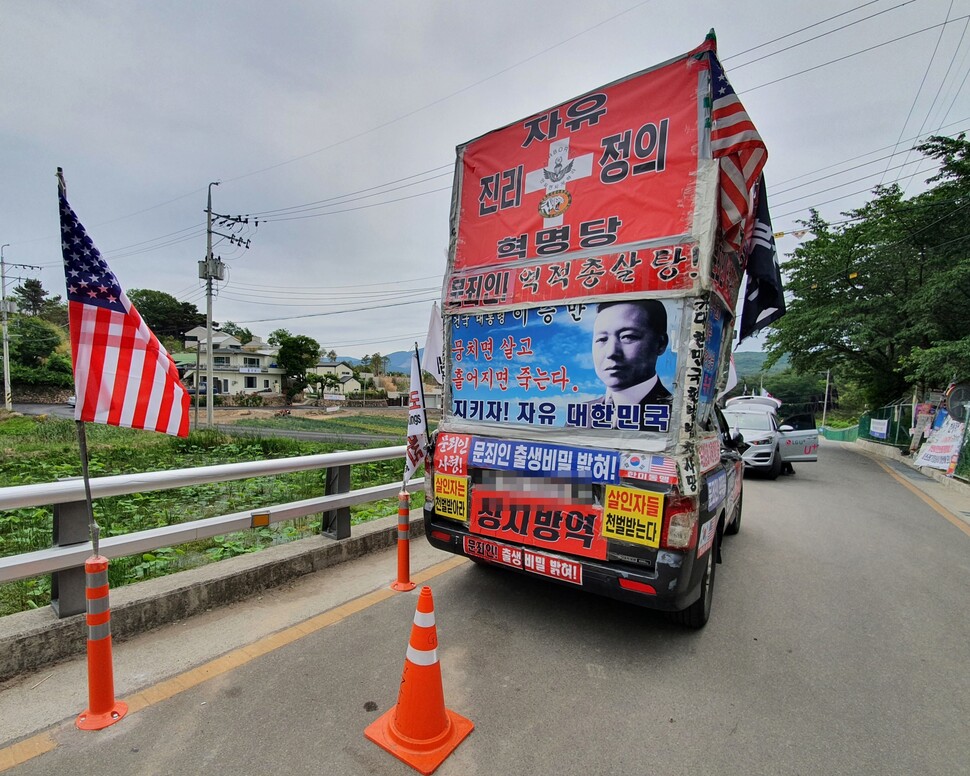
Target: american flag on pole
column 123, row 376
column 735, row 142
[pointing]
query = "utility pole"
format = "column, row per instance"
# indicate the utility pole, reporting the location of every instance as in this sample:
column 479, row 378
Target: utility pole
column 211, row 269
column 825, row 401
column 7, row 397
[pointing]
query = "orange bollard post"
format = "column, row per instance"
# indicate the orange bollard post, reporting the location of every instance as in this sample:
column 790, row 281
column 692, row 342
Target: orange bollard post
column 419, row 730
column 403, row 582
column 102, row 709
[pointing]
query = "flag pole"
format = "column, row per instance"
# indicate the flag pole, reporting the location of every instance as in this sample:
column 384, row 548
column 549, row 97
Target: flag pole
column 103, row 710
column 93, row 527
column 403, row 582
column 424, row 405
column 424, row 409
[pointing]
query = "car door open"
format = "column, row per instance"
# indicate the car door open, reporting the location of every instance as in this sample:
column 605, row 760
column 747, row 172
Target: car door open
column 799, row 438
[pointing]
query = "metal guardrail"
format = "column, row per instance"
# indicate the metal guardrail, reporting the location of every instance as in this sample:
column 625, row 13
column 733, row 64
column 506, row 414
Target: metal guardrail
column 65, row 561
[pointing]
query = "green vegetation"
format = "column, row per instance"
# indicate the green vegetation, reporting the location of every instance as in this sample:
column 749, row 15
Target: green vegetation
column 355, row 424
column 39, row 450
column 880, row 298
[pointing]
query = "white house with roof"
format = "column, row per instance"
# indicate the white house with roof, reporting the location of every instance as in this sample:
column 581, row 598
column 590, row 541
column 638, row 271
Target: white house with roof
column 236, row 368
column 346, row 381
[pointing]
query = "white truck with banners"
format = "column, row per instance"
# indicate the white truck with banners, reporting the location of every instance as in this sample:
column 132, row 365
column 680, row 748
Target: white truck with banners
column 597, row 252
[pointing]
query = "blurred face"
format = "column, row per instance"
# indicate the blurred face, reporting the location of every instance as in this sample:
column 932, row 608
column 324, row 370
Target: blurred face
column 625, row 348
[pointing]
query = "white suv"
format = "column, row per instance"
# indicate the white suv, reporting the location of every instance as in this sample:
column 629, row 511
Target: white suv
column 768, row 444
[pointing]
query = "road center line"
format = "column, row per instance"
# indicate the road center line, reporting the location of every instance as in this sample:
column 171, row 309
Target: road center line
column 41, row 743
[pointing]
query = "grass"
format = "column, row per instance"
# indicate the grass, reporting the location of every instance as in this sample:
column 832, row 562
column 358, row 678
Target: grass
column 355, row 424
column 43, row 450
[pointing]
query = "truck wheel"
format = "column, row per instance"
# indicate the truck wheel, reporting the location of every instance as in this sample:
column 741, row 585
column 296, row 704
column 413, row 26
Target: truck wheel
column 696, row 615
column 735, row 526
column 775, row 469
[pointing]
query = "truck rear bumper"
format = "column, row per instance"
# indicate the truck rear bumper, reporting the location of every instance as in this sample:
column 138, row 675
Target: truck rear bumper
column 665, row 587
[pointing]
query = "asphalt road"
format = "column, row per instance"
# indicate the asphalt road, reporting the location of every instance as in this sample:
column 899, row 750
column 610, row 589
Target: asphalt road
column 838, row 644
column 57, row 410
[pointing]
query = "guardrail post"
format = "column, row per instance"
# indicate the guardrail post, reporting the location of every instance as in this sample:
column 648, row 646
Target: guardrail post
column 336, row 522
column 67, row 587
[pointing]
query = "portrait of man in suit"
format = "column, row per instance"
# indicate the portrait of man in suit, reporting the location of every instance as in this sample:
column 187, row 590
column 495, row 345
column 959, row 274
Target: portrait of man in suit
column 628, row 338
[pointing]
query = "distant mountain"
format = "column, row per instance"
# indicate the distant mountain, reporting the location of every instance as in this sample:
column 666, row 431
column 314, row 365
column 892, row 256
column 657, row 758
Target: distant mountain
column 752, row 363
column 398, row 361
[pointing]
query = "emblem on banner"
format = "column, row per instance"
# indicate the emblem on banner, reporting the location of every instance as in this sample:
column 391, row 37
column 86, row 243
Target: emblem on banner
column 555, row 203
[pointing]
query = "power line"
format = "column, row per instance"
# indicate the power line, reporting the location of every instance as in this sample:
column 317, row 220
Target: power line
column 836, row 199
column 395, row 284
column 936, row 97
column 466, row 88
column 290, row 301
column 854, row 54
column 368, row 308
column 325, row 202
column 919, row 91
column 868, row 153
column 359, row 207
column 839, row 186
column 822, row 35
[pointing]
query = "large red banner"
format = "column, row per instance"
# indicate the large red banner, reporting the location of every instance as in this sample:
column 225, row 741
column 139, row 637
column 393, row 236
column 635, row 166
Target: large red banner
column 670, row 268
column 540, row 521
column 612, row 168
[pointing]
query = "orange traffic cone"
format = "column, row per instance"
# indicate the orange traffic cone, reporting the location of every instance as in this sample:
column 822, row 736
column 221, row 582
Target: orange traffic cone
column 419, row 730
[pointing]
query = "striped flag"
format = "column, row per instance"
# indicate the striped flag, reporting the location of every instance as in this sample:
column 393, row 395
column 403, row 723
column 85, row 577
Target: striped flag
column 735, row 142
column 122, row 374
column 663, row 468
column 417, row 422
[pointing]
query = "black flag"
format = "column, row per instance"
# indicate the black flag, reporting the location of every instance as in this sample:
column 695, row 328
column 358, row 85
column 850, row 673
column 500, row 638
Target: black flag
column 764, row 296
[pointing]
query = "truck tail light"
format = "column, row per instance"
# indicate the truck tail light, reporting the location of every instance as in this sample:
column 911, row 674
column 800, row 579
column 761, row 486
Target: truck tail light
column 680, row 523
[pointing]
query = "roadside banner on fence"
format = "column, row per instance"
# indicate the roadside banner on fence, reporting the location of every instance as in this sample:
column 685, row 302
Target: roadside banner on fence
column 941, row 446
column 879, row 428
column 924, row 419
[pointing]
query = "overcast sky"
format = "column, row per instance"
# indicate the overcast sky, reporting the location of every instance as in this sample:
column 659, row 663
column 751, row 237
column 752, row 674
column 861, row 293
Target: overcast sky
column 344, row 118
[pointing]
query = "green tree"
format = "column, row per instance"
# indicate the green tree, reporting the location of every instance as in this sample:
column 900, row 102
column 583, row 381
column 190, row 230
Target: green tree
column 34, row 359
column 330, row 381
column 278, row 336
column 379, row 364
column 164, row 314
column 297, row 354
column 235, row 330
column 884, row 298
column 30, row 297
column 32, row 340
column 33, row 300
